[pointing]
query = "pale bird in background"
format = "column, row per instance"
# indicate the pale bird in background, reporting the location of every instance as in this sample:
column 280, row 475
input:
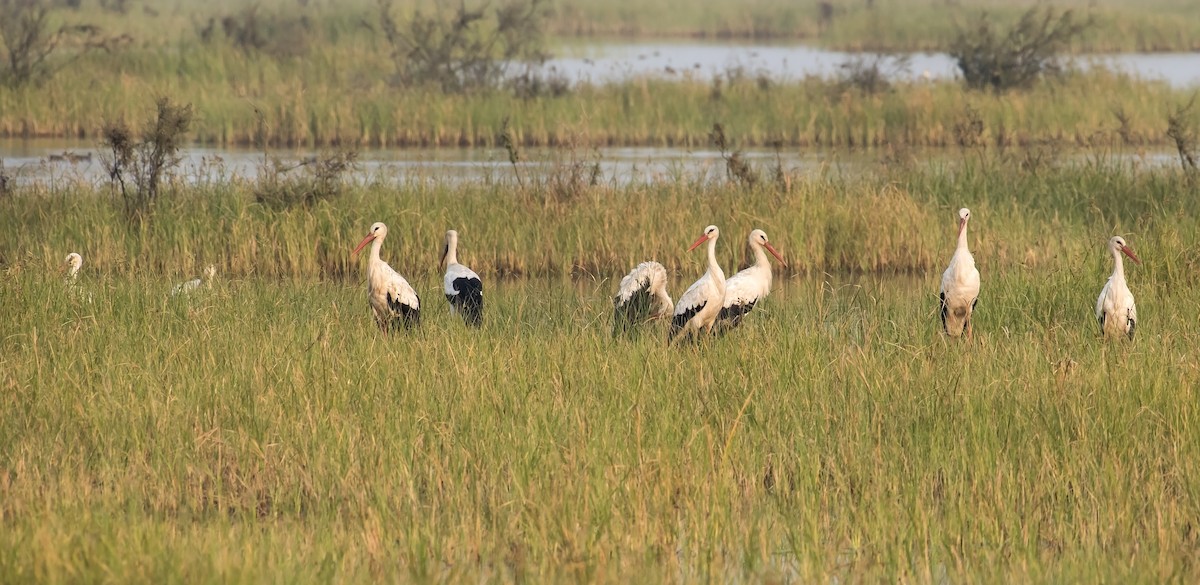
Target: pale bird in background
column 463, row 288
column 1115, row 309
column 393, row 302
column 642, row 296
column 746, row 288
column 210, row 272
column 960, row 284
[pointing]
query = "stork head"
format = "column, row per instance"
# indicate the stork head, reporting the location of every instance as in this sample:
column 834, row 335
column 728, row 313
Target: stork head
column 451, row 244
column 210, row 272
column 74, row 263
column 759, row 238
column 964, row 215
column 1117, row 244
column 710, row 233
column 378, row 232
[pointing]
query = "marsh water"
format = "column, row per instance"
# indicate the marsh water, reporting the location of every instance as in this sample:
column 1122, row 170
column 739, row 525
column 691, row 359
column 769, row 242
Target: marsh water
column 73, row 161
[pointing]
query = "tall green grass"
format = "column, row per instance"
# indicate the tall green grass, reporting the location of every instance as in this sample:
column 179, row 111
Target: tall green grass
column 267, row 431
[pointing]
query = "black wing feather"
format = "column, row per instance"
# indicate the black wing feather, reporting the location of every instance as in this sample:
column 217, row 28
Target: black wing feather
column 634, row 310
column 732, row 315
column 681, row 319
column 469, row 300
column 404, row 314
column 944, row 312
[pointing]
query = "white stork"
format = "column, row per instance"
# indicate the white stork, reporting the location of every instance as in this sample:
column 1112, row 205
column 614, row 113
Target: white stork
column 1115, row 309
column 463, row 288
column 392, row 300
column 698, row 308
column 960, row 284
column 642, row 296
column 74, row 263
column 210, row 272
column 749, row 286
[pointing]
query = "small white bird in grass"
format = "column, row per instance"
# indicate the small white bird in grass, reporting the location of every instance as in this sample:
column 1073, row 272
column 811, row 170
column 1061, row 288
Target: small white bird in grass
column 210, row 272
column 960, row 284
column 73, row 263
column 462, row 286
column 392, row 300
column 698, row 308
column 642, row 296
column 744, row 289
column 1115, row 309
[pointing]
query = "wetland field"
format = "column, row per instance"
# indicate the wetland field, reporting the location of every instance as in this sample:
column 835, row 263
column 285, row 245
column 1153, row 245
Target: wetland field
column 261, row 428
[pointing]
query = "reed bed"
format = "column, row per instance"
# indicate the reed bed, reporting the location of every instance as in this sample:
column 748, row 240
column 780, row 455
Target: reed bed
column 896, row 217
column 255, row 101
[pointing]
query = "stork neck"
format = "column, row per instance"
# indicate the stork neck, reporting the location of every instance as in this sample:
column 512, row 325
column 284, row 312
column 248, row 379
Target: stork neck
column 376, row 244
column 962, row 238
column 451, row 252
column 760, row 256
column 1118, row 263
column 713, row 267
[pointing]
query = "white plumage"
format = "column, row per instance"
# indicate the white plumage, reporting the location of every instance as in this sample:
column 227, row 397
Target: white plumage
column 641, row 296
column 699, row 306
column 75, row 262
column 210, row 272
column 463, row 288
column 744, row 289
column 960, row 284
column 392, row 300
column 1115, row 309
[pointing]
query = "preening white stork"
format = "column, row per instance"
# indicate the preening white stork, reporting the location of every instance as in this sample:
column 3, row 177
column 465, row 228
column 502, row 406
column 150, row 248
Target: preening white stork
column 960, row 284
column 641, row 297
column 463, row 288
column 1115, row 309
column 74, row 263
column 698, row 308
column 744, row 289
column 210, row 272
column 392, row 300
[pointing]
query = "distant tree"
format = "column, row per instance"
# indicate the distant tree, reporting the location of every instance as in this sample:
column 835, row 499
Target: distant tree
column 465, row 49
column 28, row 39
column 990, row 58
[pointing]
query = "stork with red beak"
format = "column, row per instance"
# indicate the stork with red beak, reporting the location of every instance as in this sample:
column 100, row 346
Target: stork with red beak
column 699, row 307
column 744, row 289
column 1115, row 309
column 392, row 300
column 960, row 284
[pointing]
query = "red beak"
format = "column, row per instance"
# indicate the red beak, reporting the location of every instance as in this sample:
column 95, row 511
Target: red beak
column 774, row 253
column 1131, row 255
column 366, row 240
column 703, row 238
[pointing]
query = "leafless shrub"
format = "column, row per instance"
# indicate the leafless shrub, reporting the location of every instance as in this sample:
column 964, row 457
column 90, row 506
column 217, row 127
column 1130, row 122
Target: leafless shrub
column 571, row 176
column 277, row 187
column 968, row 130
column 465, row 49
column 252, row 30
column 514, row 152
column 6, row 182
column 1181, row 131
column 533, row 83
column 144, row 162
column 990, row 58
column 870, row 74
column 29, row 41
column 736, row 168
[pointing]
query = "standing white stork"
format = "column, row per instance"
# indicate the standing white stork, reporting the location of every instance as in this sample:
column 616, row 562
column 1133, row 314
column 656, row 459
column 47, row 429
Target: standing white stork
column 463, row 288
column 392, row 300
column 642, row 296
column 744, row 289
column 1115, row 309
column 698, row 308
column 210, row 272
column 960, row 284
